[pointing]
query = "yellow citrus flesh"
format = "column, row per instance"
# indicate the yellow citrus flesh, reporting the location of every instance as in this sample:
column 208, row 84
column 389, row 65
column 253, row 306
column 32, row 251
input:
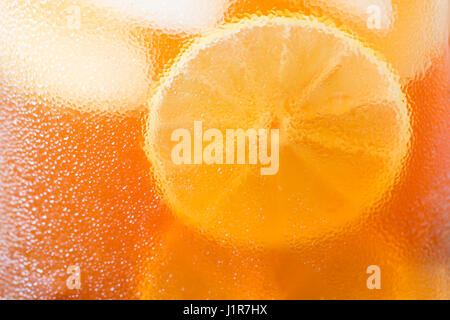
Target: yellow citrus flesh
column 343, row 121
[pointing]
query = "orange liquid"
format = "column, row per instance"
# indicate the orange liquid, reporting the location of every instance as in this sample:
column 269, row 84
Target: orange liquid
column 77, row 190
column 406, row 237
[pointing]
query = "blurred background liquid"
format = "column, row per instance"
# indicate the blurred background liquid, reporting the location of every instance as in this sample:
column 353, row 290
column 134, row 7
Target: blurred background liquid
column 76, row 185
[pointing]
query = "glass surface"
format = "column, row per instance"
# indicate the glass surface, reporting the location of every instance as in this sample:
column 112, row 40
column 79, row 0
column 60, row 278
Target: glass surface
column 91, row 90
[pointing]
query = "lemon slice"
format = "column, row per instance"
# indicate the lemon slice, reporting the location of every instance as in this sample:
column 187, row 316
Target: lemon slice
column 343, row 124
